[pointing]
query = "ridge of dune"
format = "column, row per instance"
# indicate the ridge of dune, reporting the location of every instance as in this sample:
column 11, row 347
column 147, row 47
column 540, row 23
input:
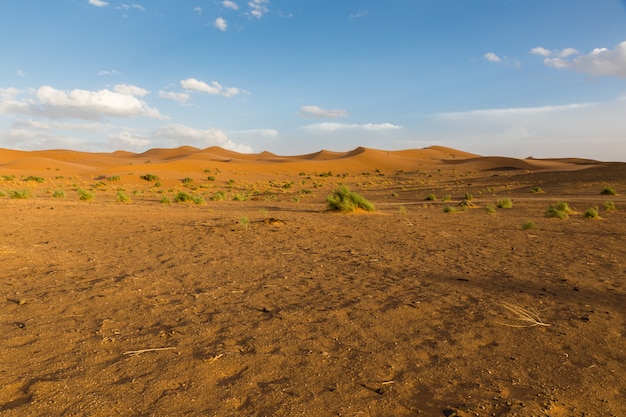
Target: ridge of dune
column 503, row 163
column 164, row 154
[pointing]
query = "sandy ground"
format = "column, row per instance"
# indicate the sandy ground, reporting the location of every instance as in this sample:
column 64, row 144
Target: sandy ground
column 274, row 306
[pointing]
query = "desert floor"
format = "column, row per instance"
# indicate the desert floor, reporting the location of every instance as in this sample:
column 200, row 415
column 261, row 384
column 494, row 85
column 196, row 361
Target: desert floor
column 258, row 301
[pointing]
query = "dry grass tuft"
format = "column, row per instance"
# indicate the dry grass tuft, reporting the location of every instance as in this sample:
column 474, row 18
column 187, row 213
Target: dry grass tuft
column 526, row 317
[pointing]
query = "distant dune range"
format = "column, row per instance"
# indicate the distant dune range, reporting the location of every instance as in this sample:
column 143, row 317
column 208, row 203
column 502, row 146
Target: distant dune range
column 172, row 163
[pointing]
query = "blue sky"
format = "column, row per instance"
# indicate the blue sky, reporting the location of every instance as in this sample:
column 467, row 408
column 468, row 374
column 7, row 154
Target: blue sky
column 493, row 77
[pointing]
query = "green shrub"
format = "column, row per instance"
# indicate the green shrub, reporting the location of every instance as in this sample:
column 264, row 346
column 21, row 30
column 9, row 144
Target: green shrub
column 468, row 196
column 84, row 195
column 560, row 211
column 505, row 203
column 490, row 208
column 450, row 209
column 447, row 198
column 608, row 191
column 210, row 178
column 529, row 226
column 149, row 177
column 166, row 200
column 592, row 213
column 123, row 198
column 609, row 205
column 183, row 197
column 22, row 194
column 218, row 196
column 240, row 197
column 187, row 180
column 34, row 178
column 536, row 190
column 8, row 178
column 431, row 197
column 343, row 199
column 58, row 194
column 114, row 178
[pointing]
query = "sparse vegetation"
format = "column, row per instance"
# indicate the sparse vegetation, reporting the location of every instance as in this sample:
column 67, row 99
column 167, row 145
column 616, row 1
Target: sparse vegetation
column 609, row 205
column 529, row 225
column 451, row 209
column 505, row 203
column 244, row 222
column 468, row 196
column 166, row 200
column 19, row 194
column 490, row 208
column 58, row 194
column 343, row 199
column 38, row 180
column 149, row 177
column 123, row 198
column 113, row 178
column 85, row 195
column 591, row 213
column 218, row 196
column 183, row 197
column 187, row 180
column 536, row 190
column 431, row 197
column 608, row 191
column 210, row 178
column 560, row 210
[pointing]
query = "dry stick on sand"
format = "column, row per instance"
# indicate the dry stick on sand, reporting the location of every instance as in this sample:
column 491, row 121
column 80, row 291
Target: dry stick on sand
column 530, row 316
column 138, row 352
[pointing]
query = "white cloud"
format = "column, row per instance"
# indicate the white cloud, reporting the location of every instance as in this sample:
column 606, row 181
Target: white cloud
column 317, row 112
column 334, row 127
column 43, row 126
column 512, row 112
column 221, row 24
column 130, row 90
column 197, row 9
column 359, row 14
column 258, row 8
column 21, row 73
column 8, row 93
column 179, row 97
column 215, row 88
column 563, row 53
column 111, row 72
column 129, row 141
column 98, row 3
column 600, row 61
column 492, row 57
column 230, row 5
column 82, row 104
column 268, row 133
column 179, row 134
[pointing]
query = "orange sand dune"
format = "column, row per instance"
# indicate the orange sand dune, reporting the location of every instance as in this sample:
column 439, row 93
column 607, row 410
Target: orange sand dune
column 172, row 163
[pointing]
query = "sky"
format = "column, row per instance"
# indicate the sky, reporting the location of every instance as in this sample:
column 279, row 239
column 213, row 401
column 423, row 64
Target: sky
column 518, row 78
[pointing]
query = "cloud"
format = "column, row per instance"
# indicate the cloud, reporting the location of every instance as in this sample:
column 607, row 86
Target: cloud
column 230, row 5
column 98, row 3
column 492, row 57
column 258, row 8
column 129, row 141
column 8, row 93
column 179, row 97
column 197, row 9
column 43, row 126
column 563, row 53
column 82, row 104
column 181, row 134
column 221, row 24
column 359, row 14
column 317, row 112
column 600, row 61
column 130, row 90
column 334, row 127
column 131, row 6
column 21, row 73
column 511, row 112
column 214, row 89
column 111, row 72
column 268, row 133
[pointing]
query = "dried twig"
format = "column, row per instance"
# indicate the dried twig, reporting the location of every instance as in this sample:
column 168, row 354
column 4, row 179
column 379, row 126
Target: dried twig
column 528, row 317
column 138, row 352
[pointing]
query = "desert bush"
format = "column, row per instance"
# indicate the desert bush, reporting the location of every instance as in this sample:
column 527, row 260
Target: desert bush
column 536, row 190
column 608, row 191
column 183, row 197
column 505, row 203
column 592, row 213
column 431, row 197
column 149, row 177
column 58, row 194
column 123, row 198
column 240, row 197
column 218, row 196
column 451, row 209
column 529, row 226
column 34, row 178
column 19, row 194
column 244, row 222
column 166, row 200
column 560, row 211
column 113, row 178
column 347, row 201
column 187, row 180
column 84, row 195
column 210, row 178
column 447, row 198
column 490, row 208
column 468, row 196
column 8, row 178
column 608, row 205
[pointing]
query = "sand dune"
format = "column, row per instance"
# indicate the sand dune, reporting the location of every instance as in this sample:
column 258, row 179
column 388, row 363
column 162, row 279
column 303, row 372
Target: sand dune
column 169, row 162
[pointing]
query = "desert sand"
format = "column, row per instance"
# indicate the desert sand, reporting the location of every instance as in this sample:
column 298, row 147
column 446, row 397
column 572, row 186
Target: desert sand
column 253, row 299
